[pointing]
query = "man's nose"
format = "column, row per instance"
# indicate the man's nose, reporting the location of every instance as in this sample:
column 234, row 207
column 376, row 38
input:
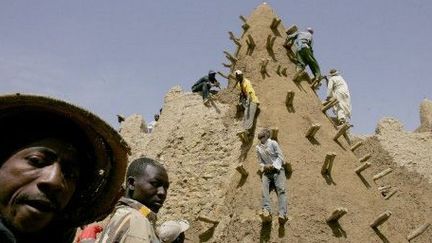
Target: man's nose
column 162, row 192
column 51, row 179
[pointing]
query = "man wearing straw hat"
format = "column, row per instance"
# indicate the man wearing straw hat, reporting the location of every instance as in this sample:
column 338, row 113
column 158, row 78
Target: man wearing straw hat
column 60, row 167
column 337, row 88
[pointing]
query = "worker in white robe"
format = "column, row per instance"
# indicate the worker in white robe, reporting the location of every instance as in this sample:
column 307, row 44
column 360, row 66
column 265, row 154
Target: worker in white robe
column 338, row 89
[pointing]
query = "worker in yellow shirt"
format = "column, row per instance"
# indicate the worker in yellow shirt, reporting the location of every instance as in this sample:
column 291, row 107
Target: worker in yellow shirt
column 249, row 101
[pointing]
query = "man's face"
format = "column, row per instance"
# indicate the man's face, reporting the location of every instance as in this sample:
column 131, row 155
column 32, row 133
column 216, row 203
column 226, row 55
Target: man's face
column 37, row 182
column 239, row 77
column 151, row 187
column 263, row 138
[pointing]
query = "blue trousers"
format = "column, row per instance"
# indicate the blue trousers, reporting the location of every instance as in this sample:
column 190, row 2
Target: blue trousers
column 278, row 178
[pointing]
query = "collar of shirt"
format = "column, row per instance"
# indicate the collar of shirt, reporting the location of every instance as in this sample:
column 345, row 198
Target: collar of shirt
column 145, row 211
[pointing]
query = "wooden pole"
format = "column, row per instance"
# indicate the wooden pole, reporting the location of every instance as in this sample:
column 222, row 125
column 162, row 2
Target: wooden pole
column 251, row 44
column 234, row 39
column 328, row 164
column 240, row 168
column 270, row 42
column 382, row 174
column 329, row 104
column 362, row 167
column 365, row 158
column 275, row 23
column 208, row 220
column 381, row 219
column 422, row 228
column 391, row 194
column 341, row 131
column 289, row 98
column 313, row 130
column 274, row 133
column 336, row 214
column 284, row 72
column 355, row 146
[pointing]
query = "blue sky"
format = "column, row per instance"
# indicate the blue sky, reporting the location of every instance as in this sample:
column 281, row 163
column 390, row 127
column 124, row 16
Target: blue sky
column 123, row 56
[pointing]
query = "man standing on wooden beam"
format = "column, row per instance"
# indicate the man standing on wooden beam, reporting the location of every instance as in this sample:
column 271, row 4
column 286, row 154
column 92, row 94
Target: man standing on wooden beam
column 338, row 89
column 271, row 161
column 303, row 45
column 249, row 101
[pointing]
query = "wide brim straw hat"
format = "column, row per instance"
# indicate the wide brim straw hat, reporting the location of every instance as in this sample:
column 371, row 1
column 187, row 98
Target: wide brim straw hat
column 109, row 152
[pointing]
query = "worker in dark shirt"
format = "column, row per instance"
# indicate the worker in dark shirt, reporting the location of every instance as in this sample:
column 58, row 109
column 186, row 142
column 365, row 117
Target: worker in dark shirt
column 204, row 85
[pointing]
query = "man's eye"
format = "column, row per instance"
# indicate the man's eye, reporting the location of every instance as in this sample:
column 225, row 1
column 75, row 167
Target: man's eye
column 36, row 160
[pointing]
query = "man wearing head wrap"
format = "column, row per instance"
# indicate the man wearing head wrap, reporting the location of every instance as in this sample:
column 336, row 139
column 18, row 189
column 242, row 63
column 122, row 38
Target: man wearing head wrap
column 337, row 88
column 134, row 218
column 173, row 231
column 271, row 161
column 204, row 85
column 249, row 101
column 60, row 167
column 152, row 124
column 303, row 45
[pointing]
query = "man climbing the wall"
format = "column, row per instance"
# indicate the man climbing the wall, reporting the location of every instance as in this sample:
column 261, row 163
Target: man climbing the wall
column 134, row 218
column 152, row 124
column 250, row 103
column 338, row 89
column 271, row 161
column 204, row 85
column 304, row 52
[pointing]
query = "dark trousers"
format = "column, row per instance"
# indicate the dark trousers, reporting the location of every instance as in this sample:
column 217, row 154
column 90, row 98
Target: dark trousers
column 309, row 59
column 203, row 87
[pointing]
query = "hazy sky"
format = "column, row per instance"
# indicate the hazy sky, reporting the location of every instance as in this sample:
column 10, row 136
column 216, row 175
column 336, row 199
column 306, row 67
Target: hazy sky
column 114, row 57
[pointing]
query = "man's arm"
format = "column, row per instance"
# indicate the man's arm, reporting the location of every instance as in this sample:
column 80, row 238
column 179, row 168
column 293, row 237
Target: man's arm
column 216, row 84
column 330, row 88
column 260, row 160
column 278, row 151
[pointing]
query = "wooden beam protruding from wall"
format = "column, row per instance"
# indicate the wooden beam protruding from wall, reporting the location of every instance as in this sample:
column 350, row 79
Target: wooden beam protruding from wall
column 356, row 146
column 336, row 215
column 251, row 45
column 382, row 174
column 245, row 25
column 289, row 98
column 313, row 130
column 234, row 39
column 263, row 69
column 328, row 164
column 270, row 43
column 418, row 231
column 275, row 23
column 362, row 167
column 365, row 158
column 381, row 219
column 342, row 130
column 329, row 104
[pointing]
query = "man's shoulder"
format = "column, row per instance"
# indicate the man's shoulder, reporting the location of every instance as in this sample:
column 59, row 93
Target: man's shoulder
column 126, row 222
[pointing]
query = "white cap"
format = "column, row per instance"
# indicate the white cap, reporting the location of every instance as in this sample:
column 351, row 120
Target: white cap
column 238, row 72
column 170, row 230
